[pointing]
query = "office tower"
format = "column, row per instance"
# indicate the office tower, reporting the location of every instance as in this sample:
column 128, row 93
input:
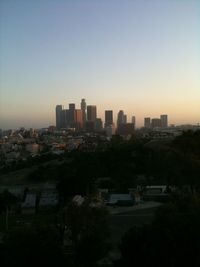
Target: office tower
column 64, row 118
column 147, row 123
column 78, row 119
column 121, row 118
column 83, row 108
column 125, row 118
column 71, row 117
column 155, row 123
column 108, row 117
column 164, row 121
column 133, row 120
column 58, row 116
column 72, row 106
column 91, row 113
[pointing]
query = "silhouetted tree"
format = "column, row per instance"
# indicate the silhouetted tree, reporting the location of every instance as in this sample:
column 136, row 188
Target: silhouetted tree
column 88, row 225
column 7, row 200
column 171, row 240
column 32, row 246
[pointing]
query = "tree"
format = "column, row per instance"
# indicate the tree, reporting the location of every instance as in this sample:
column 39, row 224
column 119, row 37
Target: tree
column 6, row 201
column 171, row 240
column 89, row 230
column 32, row 246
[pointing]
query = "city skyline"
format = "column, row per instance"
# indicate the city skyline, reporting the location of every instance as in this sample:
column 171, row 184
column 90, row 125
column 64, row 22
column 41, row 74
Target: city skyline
column 78, row 118
column 101, row 114
column 140, row 57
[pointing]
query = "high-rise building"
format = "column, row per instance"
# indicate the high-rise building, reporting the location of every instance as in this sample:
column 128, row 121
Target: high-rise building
column 108, row 117
column 83, row 108
column 125, row 118
column 78, row 119
column 59, row 116
column 69, row 118
column 72, row 115
column 121, row 118
column 91, row 113
column 64, row 118
column 164, row 121
column 147, row 122
column 72, row 106
column 133, row 120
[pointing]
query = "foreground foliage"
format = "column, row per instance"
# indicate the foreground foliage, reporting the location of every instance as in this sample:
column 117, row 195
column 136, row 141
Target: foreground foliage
column 172, row 240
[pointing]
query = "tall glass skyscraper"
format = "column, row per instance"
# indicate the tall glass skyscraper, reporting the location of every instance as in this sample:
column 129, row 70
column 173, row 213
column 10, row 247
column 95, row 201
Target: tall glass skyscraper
column 83, row 108
column 91, row 113
column 108, row 117
column 59, row 116
column 164, row 121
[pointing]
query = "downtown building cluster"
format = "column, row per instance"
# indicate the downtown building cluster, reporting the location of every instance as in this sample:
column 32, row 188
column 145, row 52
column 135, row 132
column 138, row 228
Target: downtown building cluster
column 85, row 118
column 161, row 122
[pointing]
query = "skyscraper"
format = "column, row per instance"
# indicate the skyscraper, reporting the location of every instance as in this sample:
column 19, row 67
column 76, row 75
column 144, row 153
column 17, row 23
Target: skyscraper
column 147, row 122
column 125, row 118
column 121, row 118
column 91, row 113
column 58, row 116
column 72, row 115
column 69, row 118
column 164, row 121
column 65, row 118
column 83, row 108
column 133, row 120
column 78, row 119
column 108, row 117
column 72, row 106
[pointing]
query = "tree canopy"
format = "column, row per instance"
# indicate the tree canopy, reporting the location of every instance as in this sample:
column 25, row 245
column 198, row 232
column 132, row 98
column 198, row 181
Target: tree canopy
column 171, row 240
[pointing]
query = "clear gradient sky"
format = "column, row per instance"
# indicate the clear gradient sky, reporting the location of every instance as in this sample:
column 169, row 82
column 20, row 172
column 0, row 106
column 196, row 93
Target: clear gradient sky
column 139, row 56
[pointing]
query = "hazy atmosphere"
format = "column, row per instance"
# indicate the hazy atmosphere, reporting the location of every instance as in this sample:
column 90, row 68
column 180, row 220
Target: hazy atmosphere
column 139, row 56
column 100, row 133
